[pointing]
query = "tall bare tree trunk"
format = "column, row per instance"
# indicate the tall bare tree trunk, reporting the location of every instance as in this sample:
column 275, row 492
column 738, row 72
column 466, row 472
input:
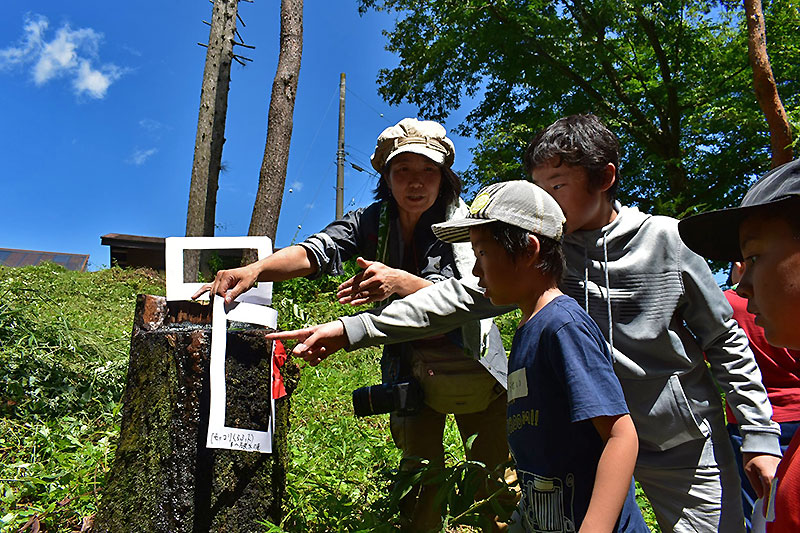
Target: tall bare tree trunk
column 272, row 177
column 210, row 129
column 780, row 132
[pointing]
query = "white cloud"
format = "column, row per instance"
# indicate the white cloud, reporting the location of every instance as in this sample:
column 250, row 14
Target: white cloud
column 57, row 56
column 69, row 54
column 93, row 81
column 297, row 186
column 14, row 55
column 139, row 157
column 150, row 125
column 131, row 50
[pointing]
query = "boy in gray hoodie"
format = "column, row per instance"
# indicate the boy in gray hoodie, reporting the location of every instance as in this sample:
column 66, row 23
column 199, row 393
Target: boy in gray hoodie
column 660, row 310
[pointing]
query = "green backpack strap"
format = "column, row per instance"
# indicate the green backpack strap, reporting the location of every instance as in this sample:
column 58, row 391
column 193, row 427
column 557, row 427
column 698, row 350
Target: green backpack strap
column 396, row 359
column 383, row 233
column 382, row 253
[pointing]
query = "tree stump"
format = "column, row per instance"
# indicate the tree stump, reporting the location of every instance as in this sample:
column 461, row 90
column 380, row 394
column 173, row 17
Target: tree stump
column 163, row 478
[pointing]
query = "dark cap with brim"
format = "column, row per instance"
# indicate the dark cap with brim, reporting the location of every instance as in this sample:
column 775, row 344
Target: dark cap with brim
column 715, row 234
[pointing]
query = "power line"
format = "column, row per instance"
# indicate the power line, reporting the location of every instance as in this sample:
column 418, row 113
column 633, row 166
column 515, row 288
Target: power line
column 299, row 173
column 313, row 202
column 360, row 193
column 362, row 166
column 356, row 149
column 367, row 104
column 314, row 140
column 366, row 169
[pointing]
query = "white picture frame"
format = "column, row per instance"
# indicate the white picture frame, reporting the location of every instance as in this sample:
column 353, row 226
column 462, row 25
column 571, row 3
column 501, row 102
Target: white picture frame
column 177, row 289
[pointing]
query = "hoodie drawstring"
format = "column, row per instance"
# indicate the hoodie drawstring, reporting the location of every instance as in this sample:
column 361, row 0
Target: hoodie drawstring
column 608, row 298
column 608, row 290
column 585, row 279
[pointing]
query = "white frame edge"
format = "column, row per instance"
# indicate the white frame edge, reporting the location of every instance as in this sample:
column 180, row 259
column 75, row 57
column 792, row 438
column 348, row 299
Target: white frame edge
column 173, row 251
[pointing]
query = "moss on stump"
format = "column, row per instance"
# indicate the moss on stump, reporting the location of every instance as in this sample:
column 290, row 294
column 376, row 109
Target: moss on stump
column 163, row 478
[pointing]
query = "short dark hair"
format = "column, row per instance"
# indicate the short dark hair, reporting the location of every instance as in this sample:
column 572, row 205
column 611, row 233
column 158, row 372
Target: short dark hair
column 514, row 241
column 577, row 140
column 449, row 190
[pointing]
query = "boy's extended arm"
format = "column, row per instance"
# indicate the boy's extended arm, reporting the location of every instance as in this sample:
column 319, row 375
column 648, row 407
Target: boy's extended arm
column 710, row 318
column 432, row 310
column 614, row 472
column 435, row 309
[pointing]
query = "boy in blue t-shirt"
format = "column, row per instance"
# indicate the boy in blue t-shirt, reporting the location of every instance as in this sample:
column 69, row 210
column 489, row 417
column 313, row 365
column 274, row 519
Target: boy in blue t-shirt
column 568, row 425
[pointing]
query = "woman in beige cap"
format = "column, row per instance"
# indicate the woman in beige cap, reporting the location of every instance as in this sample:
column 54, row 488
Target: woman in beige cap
column 461, row 372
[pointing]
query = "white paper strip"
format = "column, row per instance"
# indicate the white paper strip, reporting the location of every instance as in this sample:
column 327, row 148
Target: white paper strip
column 220, row 436
column 757, row 522
column 178, row 290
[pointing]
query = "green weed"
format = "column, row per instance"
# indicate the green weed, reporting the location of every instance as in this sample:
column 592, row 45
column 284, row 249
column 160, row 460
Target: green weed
column 64, row 340
column 647, row 510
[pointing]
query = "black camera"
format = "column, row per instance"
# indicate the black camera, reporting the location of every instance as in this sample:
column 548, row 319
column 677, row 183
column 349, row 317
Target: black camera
column 404, row 397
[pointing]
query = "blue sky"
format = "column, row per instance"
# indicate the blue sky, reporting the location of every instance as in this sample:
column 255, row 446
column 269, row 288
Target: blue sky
column 100, row 115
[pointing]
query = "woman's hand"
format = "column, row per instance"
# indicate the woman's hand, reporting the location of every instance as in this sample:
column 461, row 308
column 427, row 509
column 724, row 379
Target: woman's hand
column 373, row 284
column 376, row 283
column 230, row 283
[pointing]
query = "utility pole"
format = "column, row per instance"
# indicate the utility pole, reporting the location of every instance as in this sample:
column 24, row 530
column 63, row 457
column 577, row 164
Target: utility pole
column 340, row 153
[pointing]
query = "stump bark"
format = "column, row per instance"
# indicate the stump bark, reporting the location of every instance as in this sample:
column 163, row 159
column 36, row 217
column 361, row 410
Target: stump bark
column 163, row 477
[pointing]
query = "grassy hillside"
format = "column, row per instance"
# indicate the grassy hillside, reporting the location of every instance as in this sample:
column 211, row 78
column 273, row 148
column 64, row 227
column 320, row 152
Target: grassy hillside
column 64, row 340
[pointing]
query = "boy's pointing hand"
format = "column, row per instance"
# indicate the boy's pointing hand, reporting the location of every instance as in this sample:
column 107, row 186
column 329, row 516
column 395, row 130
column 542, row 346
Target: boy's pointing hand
column 316, row 342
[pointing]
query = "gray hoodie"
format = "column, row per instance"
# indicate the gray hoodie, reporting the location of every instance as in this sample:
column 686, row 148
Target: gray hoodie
column 667, row 312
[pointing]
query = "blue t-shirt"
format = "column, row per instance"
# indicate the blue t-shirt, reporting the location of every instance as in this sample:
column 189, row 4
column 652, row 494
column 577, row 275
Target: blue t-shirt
column 560, row 376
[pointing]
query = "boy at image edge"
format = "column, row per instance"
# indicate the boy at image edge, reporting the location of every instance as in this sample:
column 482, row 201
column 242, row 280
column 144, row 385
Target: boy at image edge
column 764, row 232
column 568, row 426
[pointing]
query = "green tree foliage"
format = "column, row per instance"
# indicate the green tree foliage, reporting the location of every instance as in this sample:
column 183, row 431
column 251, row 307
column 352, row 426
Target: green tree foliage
column 670, row 77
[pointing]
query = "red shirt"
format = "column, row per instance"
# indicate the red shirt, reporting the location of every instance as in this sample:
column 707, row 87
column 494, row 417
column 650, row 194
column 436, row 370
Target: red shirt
column 780, row 367
column 787, row 495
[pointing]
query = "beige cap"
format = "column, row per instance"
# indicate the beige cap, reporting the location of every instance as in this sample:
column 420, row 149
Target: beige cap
column 424, row 137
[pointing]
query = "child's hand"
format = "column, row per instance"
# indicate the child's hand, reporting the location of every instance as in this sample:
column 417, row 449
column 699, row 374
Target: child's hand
column 316, row 342
column 760, row 469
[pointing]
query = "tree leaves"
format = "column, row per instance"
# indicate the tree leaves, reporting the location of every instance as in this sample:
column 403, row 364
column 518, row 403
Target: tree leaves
column 670, row 77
